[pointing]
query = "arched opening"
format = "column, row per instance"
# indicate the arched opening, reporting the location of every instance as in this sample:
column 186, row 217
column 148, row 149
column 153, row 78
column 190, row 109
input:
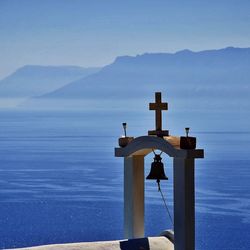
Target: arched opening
column 183, row 186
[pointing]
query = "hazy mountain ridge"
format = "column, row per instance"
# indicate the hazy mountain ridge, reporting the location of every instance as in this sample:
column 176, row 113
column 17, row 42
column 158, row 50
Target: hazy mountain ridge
column 33, row 80
column 205, row 90
column 224, row 72
column 181, row 57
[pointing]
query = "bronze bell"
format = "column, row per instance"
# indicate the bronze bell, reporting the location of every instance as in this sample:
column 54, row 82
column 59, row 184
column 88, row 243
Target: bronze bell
column 157, row 170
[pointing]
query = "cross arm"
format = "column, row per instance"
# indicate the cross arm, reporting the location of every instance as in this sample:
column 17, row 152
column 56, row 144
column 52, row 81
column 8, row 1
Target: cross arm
column 155, row 106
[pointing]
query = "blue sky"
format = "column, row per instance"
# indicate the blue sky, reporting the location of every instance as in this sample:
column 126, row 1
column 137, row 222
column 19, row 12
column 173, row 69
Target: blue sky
column 94, row 32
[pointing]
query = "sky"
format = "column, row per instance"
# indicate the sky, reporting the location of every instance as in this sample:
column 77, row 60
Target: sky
column 94, row 32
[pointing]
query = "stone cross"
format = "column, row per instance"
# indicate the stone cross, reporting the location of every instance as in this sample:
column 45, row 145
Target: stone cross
column 158, row 106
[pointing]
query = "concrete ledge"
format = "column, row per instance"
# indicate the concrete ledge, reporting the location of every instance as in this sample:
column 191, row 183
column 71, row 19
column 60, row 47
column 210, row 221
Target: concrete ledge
column 150, row 243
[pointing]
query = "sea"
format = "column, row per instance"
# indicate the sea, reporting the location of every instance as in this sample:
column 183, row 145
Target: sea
column 60, row 181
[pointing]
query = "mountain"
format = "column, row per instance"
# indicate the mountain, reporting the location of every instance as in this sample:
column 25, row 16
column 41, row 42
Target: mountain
column 223, row 73
column 33, row 80
column 211, row 86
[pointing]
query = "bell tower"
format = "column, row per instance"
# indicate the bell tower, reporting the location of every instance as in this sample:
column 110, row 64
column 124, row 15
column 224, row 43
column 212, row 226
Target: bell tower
column 133, row 150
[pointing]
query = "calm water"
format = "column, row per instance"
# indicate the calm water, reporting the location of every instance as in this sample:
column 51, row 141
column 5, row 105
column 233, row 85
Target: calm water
column 60, row 182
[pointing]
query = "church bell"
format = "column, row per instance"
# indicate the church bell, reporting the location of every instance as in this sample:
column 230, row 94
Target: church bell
column 157, row 170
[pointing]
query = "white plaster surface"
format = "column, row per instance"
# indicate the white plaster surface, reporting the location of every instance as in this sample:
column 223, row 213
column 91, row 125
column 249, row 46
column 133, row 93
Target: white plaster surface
column 150, row 243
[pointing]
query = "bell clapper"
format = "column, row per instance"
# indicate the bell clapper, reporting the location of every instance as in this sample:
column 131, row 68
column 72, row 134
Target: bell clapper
column 159, row 186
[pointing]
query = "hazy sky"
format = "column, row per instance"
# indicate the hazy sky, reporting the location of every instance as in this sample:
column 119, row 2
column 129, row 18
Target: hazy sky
column 94, row 32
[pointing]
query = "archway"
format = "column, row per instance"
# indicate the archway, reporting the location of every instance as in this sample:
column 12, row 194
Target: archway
column 184, row 189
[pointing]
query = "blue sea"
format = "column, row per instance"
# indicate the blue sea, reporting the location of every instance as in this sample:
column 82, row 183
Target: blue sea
column 60, row 182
